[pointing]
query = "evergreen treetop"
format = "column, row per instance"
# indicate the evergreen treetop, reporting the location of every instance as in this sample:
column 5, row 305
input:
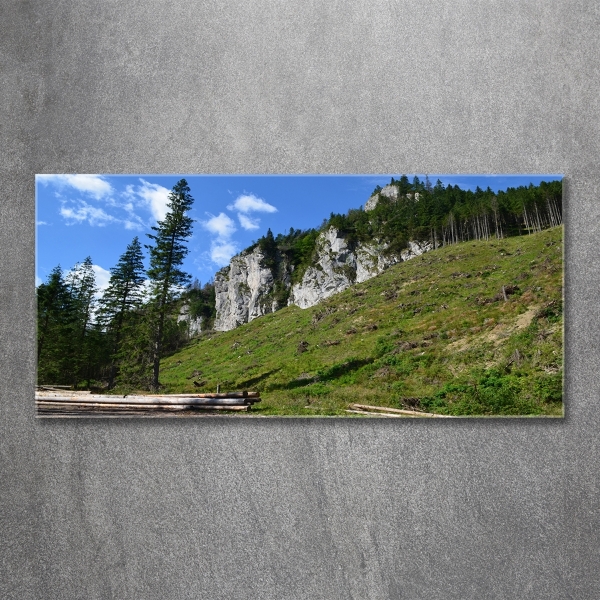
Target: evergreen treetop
column 125, row 287
column 166, row 256
column 169, row 249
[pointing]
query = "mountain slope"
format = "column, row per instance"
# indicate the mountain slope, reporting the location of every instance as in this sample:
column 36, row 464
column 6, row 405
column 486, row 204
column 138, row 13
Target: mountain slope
column 399, row 222
column 469, row 329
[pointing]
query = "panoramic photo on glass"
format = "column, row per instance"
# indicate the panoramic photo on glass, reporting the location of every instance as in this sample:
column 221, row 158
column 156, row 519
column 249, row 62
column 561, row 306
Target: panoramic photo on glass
column 358, row 296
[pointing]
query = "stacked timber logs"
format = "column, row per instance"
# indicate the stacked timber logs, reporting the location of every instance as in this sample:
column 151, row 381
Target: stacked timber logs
column 57, row 402
column 384, row 411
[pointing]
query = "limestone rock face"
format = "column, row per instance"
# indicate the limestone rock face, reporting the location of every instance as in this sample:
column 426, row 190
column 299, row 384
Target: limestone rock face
column 243, row 291
column 415, row 249
column 193, row 324
column 334, row 271
column 339, row 266
column 390, row 191
column 370, row 261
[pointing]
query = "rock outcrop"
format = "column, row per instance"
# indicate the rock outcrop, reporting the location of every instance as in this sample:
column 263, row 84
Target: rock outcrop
column 333, row 272
column 244, row 290
column 390, row 191
column 339, row 266
column 248, row 289
column 193, row 324
column 371, row 260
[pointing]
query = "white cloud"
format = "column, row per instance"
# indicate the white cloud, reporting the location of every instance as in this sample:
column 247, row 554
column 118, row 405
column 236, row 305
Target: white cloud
column 155, row 196
column 248, row 223
column 75, row 209
column 85, row 212
column 221, row 252
column 132, row 225
column 102, row 277
column 222, row 248
column 222, row 225
column 38, row 281
column 247, row 203
column 94, row 185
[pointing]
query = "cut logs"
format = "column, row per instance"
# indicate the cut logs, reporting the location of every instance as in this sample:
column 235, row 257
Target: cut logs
column 57, row 402
column 385, row 411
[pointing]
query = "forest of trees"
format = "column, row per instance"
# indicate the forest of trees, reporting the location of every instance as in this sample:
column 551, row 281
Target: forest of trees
column 424, row 212
column 118, row 338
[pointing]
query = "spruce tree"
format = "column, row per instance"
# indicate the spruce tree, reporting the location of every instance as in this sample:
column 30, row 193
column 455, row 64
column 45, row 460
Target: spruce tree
column 166, row 256
column 268, row 247
column 81, row 283
column 122, row 300
column 53, row 330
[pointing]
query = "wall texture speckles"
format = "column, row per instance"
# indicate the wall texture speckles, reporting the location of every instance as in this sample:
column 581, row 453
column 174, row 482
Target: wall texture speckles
column 299, row 509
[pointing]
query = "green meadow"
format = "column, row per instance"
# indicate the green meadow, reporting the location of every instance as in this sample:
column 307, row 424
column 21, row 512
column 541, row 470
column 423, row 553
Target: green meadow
column 473, row 329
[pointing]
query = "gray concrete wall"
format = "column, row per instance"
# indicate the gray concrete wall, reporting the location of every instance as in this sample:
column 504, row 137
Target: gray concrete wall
column 299, row 508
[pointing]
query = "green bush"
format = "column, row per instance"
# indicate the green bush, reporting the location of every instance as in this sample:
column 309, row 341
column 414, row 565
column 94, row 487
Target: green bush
column 491, row 394
column 384, row 345
column 549, row 388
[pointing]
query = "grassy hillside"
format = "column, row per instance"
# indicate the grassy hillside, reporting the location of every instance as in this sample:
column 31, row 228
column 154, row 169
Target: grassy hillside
column 470, row 329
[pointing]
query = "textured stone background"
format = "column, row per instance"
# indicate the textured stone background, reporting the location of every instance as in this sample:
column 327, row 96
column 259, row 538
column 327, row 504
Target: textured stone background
column 309, row 509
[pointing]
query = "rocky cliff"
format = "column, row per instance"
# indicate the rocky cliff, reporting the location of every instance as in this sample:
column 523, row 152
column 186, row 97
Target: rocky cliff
column 390, row 191
column 333, row 271
column 193, row 324
column 261, row 279
column 338, row 267
column 246, row 288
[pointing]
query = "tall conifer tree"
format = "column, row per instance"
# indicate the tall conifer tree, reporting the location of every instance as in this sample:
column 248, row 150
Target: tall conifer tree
column 121, row 299
column 166, row 256
column 53, row 330
column 81, row 283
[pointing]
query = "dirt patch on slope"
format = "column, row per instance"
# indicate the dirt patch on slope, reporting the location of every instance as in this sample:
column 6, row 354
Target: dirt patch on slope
column 499, row 333
column 526, row 318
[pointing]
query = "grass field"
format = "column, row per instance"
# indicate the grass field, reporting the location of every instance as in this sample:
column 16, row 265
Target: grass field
column 469, row 329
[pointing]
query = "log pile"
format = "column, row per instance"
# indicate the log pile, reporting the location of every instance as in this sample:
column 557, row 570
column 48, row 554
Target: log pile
column 384, row 411
column 59, row 402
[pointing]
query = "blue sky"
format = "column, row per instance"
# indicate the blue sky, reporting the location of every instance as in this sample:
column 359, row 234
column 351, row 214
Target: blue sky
column 99, row 215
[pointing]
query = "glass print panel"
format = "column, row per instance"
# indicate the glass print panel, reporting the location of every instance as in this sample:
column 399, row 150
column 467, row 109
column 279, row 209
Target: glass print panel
column 357, row 296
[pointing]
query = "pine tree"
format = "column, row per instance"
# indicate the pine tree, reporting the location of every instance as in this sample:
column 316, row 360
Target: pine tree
column 135, row 354
column 122, row 300
column 53, row 332
column 268, row 247
column 81, row 283
column 403, row 185
column 166, row 256
column 428, row 186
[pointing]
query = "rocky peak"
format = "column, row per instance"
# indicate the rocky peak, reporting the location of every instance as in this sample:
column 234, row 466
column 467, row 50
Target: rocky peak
column 389, row 191
column 333, row 272
column 244, row 291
